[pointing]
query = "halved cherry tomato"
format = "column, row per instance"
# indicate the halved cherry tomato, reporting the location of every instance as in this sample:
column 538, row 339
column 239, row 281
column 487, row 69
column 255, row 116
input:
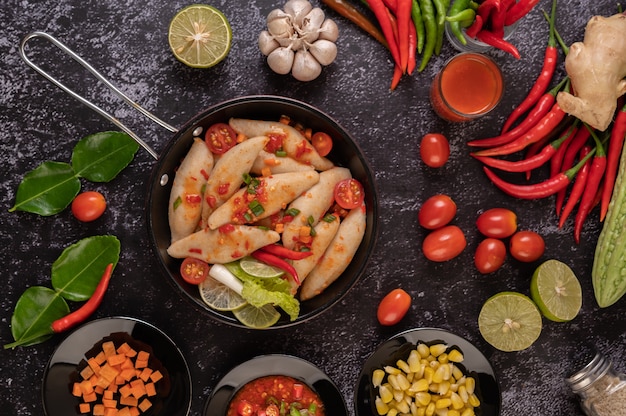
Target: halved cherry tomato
column 393, row 307
column 444, row 243
column 322, row 142
column 490, row 255
column 349, row 193
column 88, row 206
column 497, row 223
column 194, row 271
column 436, row 211
column 434, row 150
column 527, row 246
column 245, row 408
column 220, row 137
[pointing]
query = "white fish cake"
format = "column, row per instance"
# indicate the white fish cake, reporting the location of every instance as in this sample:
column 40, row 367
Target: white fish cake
column 275, row 164
column 222, row 245
column 314, row 203
column 337, row 256
column 272, row 193
column 185, row 204
column 294, row 143
column 227, row 175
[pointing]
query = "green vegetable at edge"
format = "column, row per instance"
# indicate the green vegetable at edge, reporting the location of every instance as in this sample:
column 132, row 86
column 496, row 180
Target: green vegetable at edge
column 609, row 265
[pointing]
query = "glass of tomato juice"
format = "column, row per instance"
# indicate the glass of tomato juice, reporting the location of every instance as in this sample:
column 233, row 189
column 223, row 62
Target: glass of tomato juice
column 468, row 86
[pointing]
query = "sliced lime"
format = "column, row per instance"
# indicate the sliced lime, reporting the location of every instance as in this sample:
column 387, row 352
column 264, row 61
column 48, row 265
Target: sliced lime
column 556, row 291
column 257, row 318
column 259, row 269
column 510, row 321
column 219, row 296
column 200, row 36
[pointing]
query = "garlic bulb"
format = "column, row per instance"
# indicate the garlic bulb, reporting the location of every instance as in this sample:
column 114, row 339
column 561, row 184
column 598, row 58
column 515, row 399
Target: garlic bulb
column 299, row 39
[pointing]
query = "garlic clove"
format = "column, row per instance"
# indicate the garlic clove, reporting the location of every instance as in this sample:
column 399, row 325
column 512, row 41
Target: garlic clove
column 297, row 9
column 324, row 51
column 305, row 66
column 329, row 30
column 281, row 60
column 311, row 24
column 267, row 43
column 279, row 24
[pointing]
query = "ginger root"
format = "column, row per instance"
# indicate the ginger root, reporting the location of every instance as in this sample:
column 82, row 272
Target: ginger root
column 596, row 68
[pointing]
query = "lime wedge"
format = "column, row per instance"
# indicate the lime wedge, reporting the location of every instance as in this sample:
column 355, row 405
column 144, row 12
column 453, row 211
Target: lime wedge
column 219, row 296
column 257, row 318
column 259, row 269
column 510, row 321
column 200, row 36
column 556, row 291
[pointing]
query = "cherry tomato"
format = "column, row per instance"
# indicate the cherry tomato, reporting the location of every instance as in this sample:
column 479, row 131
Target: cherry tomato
column 436, row 211
column 88, row 206
column 444, row 243
column 490, row 255
column 322, row 142
column 349, row 193
column 244, row 408
column 393, row 307
column 194, row 271
column 497, row 223
column 220, row 137
column 527, row 246
column 434, row 150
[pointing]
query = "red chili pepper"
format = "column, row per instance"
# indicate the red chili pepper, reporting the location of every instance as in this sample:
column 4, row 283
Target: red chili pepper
column 89, row 307
column 475, row 27
column 412, row 48
column 574, row 147
column 542, row 107
column 497, row 42
column 577, row 189
column 486, row 8
column 382, row 15
column 546, row 125
column 568, row 135
column 403, row 18
column 596, row 172
column 545, row 76
column 347, row 10
column 616, row 143
column 397, row 75
column 539, row 190
column 284, row 252
column 519, row 10
column 276, row 261
column 498, row 16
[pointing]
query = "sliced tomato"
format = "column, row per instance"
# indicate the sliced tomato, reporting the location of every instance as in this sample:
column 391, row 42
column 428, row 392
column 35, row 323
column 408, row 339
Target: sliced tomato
column 322, row 142
column 220, row 137
column 244, row 408
column 194, row 271
column 349, row 193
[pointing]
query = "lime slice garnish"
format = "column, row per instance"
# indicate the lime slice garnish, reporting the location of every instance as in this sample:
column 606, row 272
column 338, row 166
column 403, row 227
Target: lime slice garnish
column 200, row 36
column 259, row 269
column 257, row 318
column 556, row 291
column 510, row 321
column 219, row 296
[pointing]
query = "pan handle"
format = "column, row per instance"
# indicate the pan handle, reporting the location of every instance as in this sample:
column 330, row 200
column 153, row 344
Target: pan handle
column 100, row 77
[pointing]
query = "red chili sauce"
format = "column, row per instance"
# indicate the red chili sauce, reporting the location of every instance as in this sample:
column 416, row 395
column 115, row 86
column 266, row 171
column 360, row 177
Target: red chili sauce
column 268, row 396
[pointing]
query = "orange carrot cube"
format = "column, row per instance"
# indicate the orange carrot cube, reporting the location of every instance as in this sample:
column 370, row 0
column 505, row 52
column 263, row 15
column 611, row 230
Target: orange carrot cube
column 156, row 376
column 84, row 407
column 98, row 409
column 145, row 405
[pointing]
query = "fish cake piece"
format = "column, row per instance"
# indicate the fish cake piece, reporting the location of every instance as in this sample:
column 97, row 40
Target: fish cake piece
column 337, row 256
column 223, row 245
column 185, row 204
column 271, row 194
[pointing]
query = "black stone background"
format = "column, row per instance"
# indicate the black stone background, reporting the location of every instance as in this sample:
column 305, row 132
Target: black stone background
column 127, row 42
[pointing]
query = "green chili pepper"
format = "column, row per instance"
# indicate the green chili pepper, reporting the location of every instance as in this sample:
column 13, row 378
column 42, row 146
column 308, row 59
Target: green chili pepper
column 428, row 16
column 441, row 8
column 418, row 21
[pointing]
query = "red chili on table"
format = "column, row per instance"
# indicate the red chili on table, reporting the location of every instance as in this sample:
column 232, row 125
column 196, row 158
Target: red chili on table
column 616, row 142
column 577, row 189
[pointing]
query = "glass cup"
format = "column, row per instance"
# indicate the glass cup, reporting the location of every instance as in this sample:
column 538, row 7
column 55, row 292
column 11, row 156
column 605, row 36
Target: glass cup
column 468, row 86
column 474, row 45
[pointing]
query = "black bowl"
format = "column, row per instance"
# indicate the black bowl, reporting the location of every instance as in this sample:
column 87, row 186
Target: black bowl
column 346, row 153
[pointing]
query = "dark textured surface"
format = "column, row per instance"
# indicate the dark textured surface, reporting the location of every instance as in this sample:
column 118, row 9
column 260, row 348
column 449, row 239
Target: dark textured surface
column 127, row 42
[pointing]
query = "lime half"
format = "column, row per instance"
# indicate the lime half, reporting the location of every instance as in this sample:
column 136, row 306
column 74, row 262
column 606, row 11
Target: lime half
column 510, row 321
column 556, row 291
column 219, row 296
column 259, row 269
column 257, row 318
column 200, row 36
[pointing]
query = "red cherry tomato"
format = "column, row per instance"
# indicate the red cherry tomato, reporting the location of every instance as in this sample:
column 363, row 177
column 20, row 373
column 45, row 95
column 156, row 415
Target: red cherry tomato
column 436, row 211
column 220, row 137
column 527, row 246
column 393, row 307
column 434, row 150
column 497, row 223
column 349, row 193
column 490, row 255
column 444, row 243
column 322, row 142
column 194, row 271
column 88, row 206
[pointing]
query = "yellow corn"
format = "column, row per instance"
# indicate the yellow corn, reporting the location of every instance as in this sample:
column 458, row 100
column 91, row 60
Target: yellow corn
column 423, row 398
column 414, row 361
column 403, row 382
column 430, row 409
column 455, row 356
column 421, row 411
column 457, row 373
column 443, row 403
column 442, row 373
column 413, row 409
column 468, row 412
column 428, row 374
column 391, row 370
column 457, row 402
column 423, row 350
column 381, row 407
column 470, row 385
column 392, row 412
column 453, row 412
column 402, row 365
column 444, row 388
column 437, row 349
column 419, row 385
column 377, row 377
column 398, row 395
column 443, row 358
column 463, row 394
column 473, row 400
column 385, row 393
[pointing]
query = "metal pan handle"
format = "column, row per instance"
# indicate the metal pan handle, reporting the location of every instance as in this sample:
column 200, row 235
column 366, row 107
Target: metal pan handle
column 101, row 78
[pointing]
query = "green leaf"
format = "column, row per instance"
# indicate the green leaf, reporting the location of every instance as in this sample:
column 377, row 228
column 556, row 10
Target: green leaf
column 102, row 156
column 34, row 312
column 77, row 272
column 47, row 190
